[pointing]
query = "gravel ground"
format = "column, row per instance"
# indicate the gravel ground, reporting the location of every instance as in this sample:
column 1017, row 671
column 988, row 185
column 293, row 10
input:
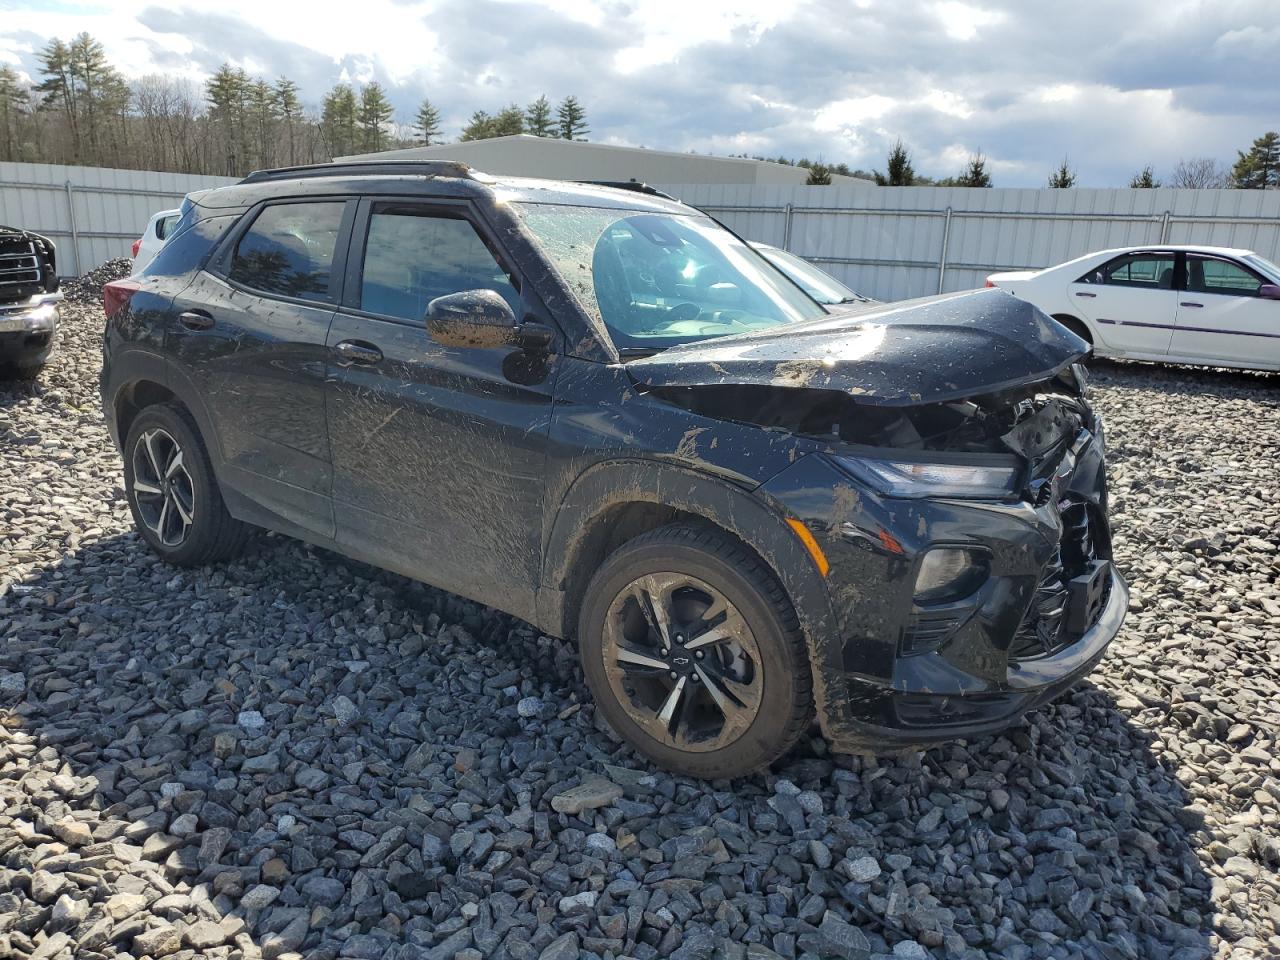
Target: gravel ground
column 296, row 754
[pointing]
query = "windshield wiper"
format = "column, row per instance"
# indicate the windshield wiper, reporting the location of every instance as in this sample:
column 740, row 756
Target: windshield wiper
column 637, row 353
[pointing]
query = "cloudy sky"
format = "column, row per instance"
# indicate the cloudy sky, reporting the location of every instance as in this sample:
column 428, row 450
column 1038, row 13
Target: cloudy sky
column 1112, row 86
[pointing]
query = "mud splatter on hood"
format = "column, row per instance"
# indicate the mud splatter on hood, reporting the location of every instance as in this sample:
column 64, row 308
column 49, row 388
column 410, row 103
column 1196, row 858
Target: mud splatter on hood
column 918, row 351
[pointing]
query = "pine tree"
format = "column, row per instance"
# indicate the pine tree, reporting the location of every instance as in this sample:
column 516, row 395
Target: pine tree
column 975, row 174
column 13, row 99
column 96, row 79
column 537, row 118
column 228, row 94
column 819, row 175
column 264, row 112
column 375, row 113
column 900, row 172
column 427, row 123
column 573, row 119
column 1260, row 167
column 480, row 127
column 509, row 122
column 338, row 120
column 1064, row 177
column 286, row 95
column 58, row 89
column 1144, row 179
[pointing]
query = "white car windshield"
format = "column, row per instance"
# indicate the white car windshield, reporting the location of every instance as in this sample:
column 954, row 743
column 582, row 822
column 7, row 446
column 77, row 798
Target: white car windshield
column 1264, row 266
column 656, row 280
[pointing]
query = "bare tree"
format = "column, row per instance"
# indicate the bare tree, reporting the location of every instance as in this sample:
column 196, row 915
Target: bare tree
column 1199, row 173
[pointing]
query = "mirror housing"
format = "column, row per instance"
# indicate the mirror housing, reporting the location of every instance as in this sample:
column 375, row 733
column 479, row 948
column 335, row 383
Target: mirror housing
column 472, row 318
column 1269, row 291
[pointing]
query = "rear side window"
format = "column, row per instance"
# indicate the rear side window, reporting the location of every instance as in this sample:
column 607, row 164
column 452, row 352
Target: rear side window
column 188, row 247
column 288, row 251
column 412, row 257
column 1144, row 271
column 1221, row 276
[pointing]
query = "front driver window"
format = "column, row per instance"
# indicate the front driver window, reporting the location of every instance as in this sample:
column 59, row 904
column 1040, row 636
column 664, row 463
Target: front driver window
column 412, row 257
column 1221, row 276
column 1142, row 271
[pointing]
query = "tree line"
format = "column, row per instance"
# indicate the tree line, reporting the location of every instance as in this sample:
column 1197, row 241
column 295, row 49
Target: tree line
column 1257, row 168
column 81, row 110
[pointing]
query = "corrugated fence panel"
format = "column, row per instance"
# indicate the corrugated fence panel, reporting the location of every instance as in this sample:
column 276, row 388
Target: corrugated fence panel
column 91, row 213
column 892, row 242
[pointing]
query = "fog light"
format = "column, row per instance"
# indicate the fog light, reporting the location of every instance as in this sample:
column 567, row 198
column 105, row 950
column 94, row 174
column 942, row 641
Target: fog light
column 950, row 573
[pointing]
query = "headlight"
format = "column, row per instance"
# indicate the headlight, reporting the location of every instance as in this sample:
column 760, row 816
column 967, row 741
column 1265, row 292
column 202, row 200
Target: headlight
column 915, row 479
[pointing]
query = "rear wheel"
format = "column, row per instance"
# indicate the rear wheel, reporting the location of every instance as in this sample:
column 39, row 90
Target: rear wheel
column 693, row 653
column 172, row 492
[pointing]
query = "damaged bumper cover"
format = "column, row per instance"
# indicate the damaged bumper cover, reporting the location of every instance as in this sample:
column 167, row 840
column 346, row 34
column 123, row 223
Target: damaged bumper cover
column 1040, row 605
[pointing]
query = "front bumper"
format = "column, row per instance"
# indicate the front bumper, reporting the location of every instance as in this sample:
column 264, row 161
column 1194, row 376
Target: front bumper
column 27, row 330
column 897, row 674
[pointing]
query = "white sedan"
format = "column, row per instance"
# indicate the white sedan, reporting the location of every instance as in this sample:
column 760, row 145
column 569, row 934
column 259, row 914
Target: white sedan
column 153, row 237
column 1179, row 304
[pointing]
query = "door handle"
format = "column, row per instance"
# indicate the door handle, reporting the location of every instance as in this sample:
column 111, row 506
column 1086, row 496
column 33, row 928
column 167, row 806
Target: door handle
column 196, row 320
column 1081, row 293
column 1189, row 303
column 357, row 351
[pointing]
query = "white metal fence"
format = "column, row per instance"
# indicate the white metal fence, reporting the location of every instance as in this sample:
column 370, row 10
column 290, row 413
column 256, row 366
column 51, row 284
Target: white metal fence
column 898, row 242
column 888, row 242
column 91, row 213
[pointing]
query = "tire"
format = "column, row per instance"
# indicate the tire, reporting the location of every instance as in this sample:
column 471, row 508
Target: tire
column 183, row 519
column 760, row 673
column 23, row 374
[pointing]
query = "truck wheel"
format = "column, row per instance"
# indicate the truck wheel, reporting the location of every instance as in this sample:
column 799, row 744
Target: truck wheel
column 694, row 654
column 173, row 494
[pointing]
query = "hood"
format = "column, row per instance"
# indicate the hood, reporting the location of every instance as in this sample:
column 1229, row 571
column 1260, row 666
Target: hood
column 919, row 351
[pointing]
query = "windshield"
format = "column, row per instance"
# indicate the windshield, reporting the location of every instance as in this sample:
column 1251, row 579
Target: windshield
column 1264, row 265
column 820, row 285
column 656, row 280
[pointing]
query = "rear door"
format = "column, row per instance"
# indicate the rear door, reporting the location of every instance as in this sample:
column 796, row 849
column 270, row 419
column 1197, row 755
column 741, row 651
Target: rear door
column 1131, row 300
column 1221, row 316
column 438, row 452
column 250, row 340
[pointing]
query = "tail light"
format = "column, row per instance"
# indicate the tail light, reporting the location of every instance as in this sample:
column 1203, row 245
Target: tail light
column 989, row 283
column 117, row 294
column 137, row 245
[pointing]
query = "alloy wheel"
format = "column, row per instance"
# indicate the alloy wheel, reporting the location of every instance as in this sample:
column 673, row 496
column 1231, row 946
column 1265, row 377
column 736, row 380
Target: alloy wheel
column 682, row 662
column 162, row 488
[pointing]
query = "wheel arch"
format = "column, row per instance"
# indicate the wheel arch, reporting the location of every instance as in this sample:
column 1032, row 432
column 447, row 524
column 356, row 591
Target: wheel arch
column 147, row 381
column 1077, row 325
column 615, row 501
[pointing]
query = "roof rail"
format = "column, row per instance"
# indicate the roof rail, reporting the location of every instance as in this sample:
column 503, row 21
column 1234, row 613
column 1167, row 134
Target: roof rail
column 406, row 168
column 633, row 185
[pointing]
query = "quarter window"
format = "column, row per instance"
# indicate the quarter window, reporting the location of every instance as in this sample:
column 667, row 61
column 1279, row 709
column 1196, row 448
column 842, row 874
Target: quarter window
column 411, row 257
column 288, row 250
column 1144, row 271
column 1221, row 276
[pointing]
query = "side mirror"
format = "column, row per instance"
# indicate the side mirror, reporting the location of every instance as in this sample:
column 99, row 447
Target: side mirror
column 1269, row 291
column 472, row 318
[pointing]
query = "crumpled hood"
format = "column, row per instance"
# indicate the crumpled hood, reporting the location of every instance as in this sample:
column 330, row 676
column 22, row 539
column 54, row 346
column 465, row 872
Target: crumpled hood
column 918, row 351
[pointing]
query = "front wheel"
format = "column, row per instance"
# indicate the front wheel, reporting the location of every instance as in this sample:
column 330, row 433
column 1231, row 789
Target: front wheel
column 172, row 492
column 694, row 654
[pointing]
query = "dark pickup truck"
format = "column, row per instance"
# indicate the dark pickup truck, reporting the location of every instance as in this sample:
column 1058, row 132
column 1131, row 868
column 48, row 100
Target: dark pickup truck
column 28, row 302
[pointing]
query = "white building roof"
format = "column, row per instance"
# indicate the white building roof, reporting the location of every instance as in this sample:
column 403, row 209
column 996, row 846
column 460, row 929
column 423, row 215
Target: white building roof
column 528, row 156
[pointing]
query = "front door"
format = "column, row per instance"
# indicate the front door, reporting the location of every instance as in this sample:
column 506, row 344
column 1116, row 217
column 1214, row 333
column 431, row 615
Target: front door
column 1131, row 301
column 1221, row 316
column 438, row 452
column 249, row 337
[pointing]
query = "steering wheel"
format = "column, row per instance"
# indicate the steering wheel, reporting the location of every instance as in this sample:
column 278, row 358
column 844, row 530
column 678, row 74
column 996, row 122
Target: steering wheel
column 683, row 311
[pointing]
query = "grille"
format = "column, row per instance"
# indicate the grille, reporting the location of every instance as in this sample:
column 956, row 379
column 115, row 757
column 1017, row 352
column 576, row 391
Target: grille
column 1044, row 629
column 19, row 270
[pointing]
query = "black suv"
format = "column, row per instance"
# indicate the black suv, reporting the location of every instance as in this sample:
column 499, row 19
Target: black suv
column 600, row 411
column 28, row 302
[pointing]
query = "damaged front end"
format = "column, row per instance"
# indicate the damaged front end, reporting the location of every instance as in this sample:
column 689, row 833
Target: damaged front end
column 956, row 485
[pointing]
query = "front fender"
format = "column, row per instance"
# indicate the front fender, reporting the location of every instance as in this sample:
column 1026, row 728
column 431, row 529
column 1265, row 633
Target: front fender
column 621, row 481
